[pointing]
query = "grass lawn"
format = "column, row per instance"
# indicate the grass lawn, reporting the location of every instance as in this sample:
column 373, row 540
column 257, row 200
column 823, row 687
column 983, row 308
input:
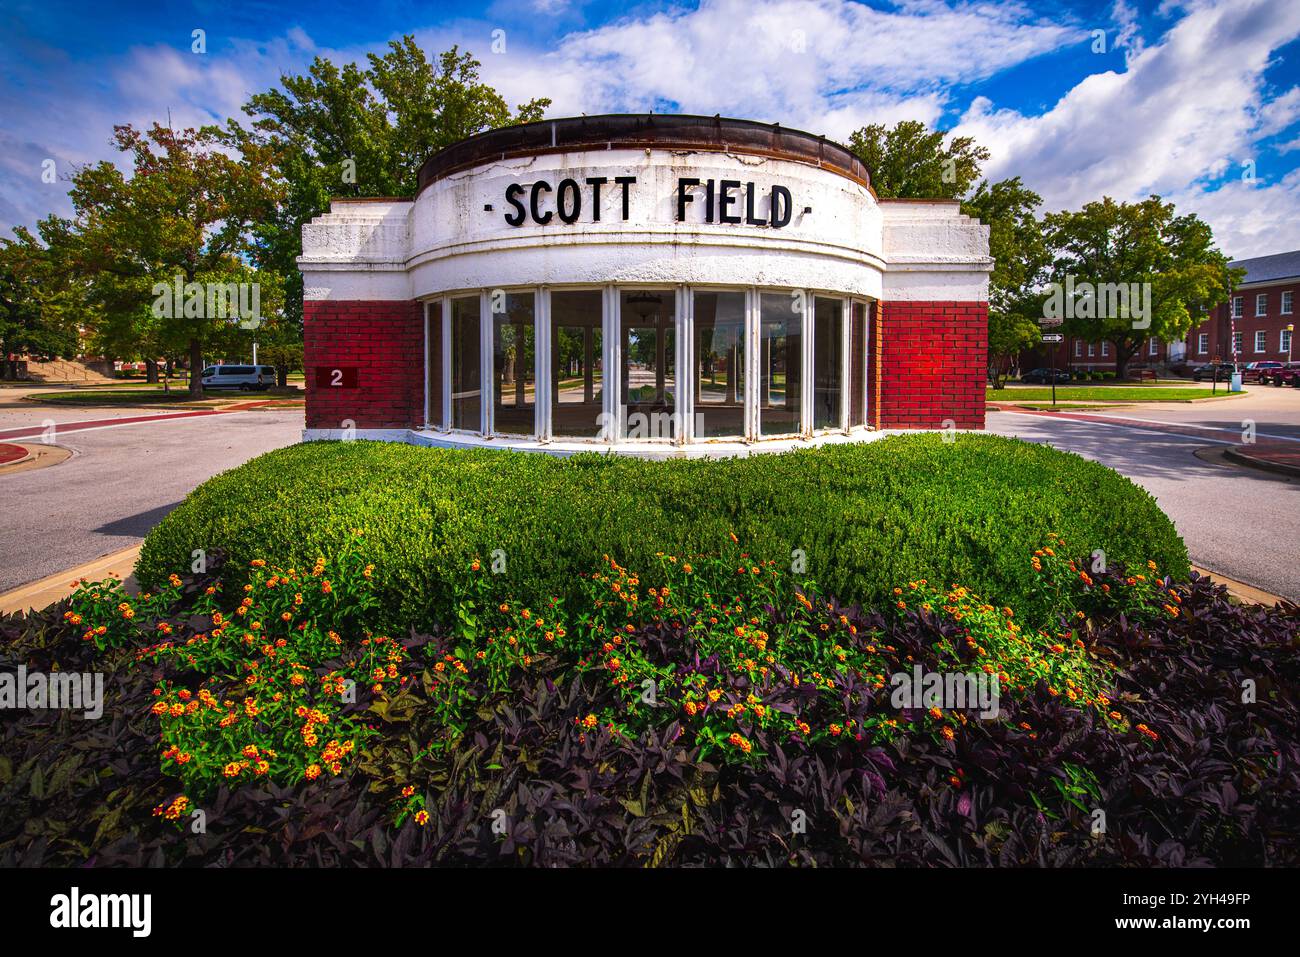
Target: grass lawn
column 1100, row 393
column 150, row 396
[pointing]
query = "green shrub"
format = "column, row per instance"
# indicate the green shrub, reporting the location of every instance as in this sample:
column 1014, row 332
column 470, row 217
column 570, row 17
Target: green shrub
column 866, row 516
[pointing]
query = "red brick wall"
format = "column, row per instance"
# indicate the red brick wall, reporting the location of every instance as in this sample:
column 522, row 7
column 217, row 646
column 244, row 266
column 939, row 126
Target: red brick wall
column 384, row 343
column 933, row 361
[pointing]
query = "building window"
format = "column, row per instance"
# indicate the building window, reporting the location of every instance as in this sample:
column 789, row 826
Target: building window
column 466, row 367
column 858, row 365
column 1284, row 341
column 779, row 351
column 1105, row 348
column 1203, row 343
column 719, row 365
column 1078, row 348
column 648, row 341
column 1238, row 306
column 1092, row 349
column 577, row 364
column 1286, row 302
column 514, row 356
column 1261, row 304
column 1237, row 339
column 1153, row 347
column 1261, row 341
column 828, row 362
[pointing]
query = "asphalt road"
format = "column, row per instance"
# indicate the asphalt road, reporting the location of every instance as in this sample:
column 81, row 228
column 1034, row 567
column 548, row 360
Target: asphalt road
column 1242, row 523
column 119, row 482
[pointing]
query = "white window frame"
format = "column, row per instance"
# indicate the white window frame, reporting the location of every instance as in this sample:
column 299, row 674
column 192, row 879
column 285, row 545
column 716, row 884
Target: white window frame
column 1238, row 343
column 1202, row 343
column 1078, row 348
column 1105, row 348
column 438, row 321
column 1287, row 302
column 1261, row 340
column 1261, row 304
column 1284, row 341
column 1238, row 306
column 1153, row 349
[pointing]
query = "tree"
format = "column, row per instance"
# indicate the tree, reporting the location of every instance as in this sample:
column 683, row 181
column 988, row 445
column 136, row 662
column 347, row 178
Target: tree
column 911, row 161
column 40, row 303
column 348, row 131
column 1126, row 272
column 1020, row 262
column 182, row 222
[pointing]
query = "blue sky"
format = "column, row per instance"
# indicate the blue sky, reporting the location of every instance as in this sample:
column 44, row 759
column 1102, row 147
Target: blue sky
column 1198, row 101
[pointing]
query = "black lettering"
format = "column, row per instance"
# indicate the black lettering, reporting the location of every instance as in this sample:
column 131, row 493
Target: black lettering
column 516, row 218
column 570, row 186
column 749, row 207
column 595, row 182
column 708, row 201
column 684, row 196
column 536, row 199
column 625, row 182
column 785, row 207
column 725, row 199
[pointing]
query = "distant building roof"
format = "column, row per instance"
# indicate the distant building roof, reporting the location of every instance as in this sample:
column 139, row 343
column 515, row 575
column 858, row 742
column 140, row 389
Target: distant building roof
column 1269, row 268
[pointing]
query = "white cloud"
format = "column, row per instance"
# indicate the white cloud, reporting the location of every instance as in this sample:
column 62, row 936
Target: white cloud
column 1186, row 110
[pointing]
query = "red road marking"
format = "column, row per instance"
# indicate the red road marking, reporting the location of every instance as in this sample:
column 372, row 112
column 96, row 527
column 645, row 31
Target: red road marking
column 11, row 453
column 33, row 431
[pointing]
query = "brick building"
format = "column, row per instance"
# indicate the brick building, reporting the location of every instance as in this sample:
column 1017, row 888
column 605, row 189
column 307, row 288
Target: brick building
column 659, row 285
column 1252, row 325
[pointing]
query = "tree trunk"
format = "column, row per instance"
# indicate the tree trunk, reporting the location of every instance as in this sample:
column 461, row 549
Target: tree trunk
column 196, row 369
column 151, row 371
column 282, row 376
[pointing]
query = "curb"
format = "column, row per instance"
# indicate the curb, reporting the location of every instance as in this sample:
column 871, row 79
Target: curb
column 1241, row 458
column 52, row 588
column 1240, row 590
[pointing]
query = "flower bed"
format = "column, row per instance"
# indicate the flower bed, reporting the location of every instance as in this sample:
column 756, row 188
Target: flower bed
column 730, row 712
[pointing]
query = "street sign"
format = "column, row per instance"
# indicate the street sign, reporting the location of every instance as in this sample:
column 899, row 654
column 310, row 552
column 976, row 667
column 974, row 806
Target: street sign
column 1053, row 337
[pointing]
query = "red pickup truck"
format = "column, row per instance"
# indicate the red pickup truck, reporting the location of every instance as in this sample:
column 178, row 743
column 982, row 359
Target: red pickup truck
column 1287, row 373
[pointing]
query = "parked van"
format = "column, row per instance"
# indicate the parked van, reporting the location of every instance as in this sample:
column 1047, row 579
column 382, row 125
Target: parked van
column 243, row 378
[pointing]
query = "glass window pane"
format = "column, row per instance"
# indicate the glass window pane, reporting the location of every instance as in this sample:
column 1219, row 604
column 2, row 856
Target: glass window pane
column 648, row 319
column 828, row 354
column 719, row 365
column 857, row 365
column 433, row 364
column 577, row 348
column 513, row 365
column 779, row 349
column 466, row 388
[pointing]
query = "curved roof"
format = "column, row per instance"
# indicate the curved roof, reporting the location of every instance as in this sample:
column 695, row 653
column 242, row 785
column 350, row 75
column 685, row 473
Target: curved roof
column 640, row 130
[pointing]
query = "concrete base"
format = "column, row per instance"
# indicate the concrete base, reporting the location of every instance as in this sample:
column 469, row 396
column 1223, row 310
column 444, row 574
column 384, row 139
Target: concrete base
column 645, row 450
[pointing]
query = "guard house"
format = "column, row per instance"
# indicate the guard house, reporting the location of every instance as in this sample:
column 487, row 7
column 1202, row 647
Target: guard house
column 654, row 285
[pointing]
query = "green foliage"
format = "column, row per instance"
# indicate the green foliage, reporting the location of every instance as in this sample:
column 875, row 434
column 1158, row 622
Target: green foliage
column 1020, row 260
column 864, row 516
column 1124, row 243
column 356, row 130
column 911, row 161
column 41, row 302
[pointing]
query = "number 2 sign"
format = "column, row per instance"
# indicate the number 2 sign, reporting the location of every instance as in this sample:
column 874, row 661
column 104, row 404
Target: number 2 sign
column 335, row 377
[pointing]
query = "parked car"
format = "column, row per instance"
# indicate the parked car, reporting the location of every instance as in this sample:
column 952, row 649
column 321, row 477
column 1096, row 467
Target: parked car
column 243, row 378
column 1254, row 371
column 1044, row 376
column 1286, row 373
column 1218, row 371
